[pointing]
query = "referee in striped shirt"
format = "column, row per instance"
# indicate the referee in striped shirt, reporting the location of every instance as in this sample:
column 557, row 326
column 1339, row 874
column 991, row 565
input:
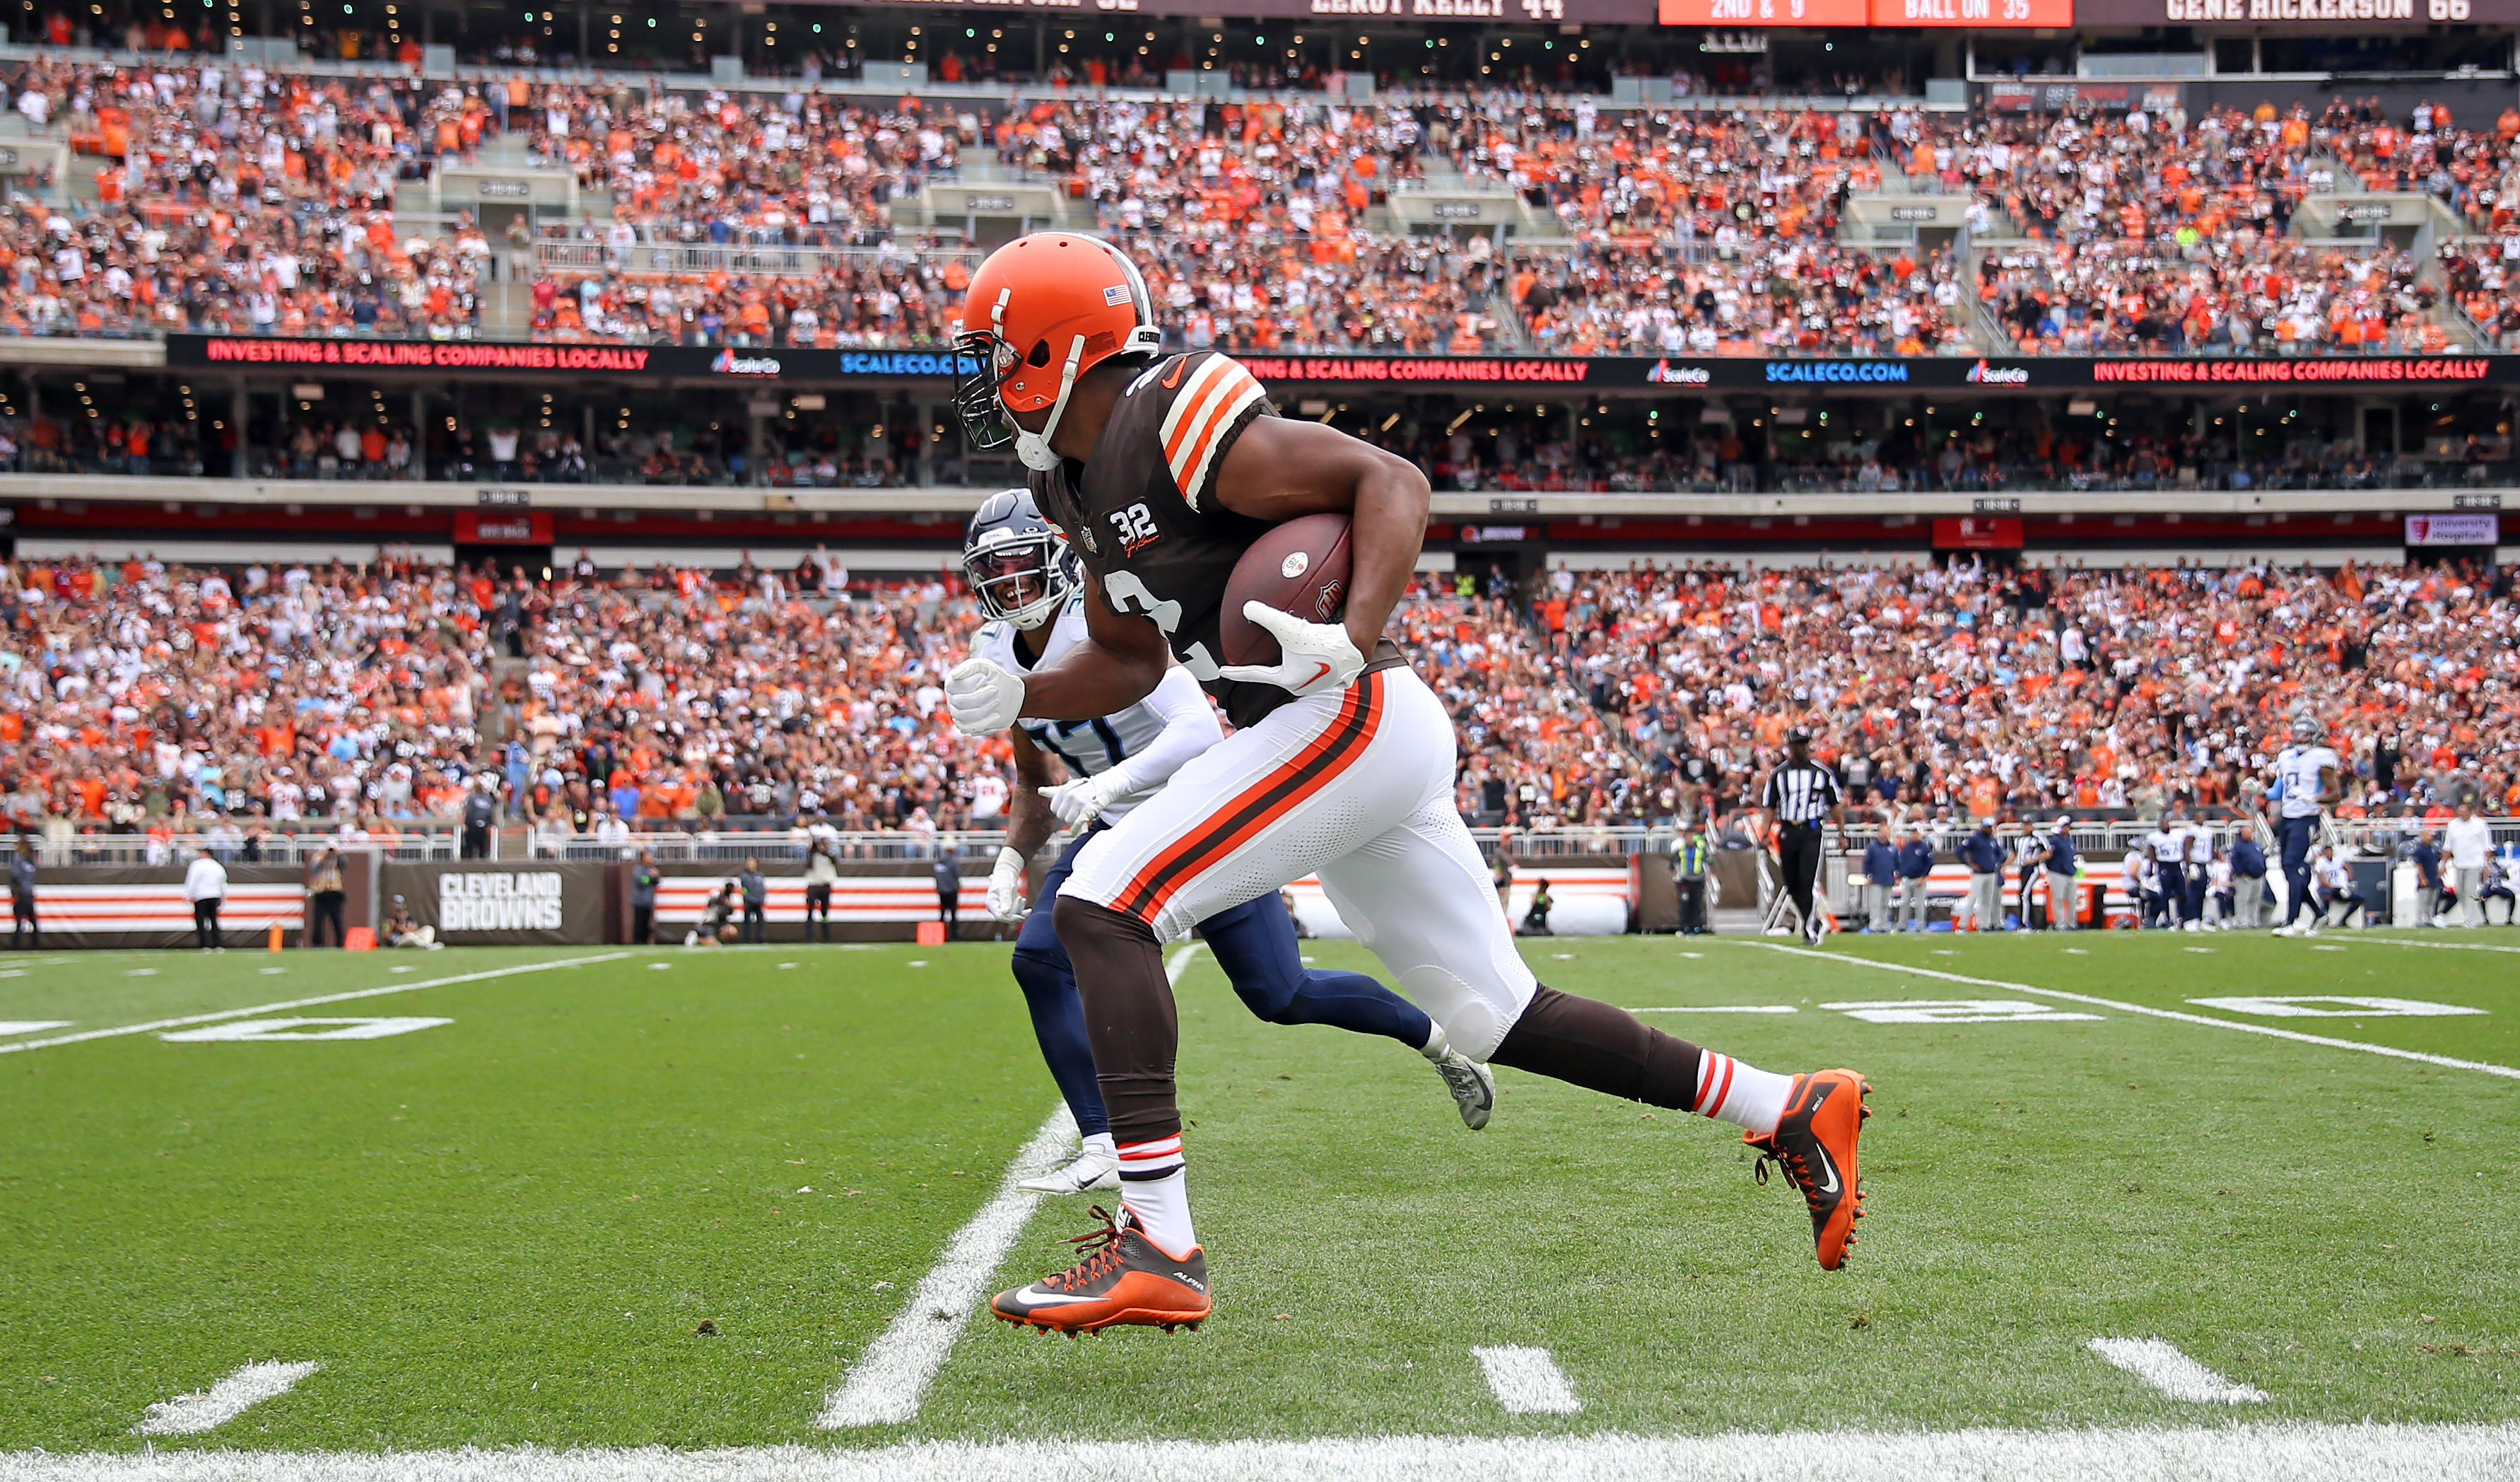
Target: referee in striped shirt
column 1802, row 794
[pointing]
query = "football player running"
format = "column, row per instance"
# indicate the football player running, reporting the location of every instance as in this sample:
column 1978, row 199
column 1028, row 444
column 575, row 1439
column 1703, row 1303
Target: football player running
column 1024, row 578
column 1163, row 471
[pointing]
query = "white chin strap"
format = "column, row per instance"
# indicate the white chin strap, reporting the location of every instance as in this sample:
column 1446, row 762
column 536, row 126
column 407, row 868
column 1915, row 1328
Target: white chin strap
column 1033, row 448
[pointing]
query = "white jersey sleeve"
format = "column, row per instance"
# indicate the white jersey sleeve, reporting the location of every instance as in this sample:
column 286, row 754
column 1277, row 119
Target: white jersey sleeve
column 1150, row 739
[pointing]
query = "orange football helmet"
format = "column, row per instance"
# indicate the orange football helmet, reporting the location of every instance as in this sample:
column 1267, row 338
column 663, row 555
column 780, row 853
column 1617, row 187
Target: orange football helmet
column 1041, row 311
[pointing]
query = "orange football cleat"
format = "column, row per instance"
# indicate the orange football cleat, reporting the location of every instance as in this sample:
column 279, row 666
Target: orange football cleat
column 1815, row 1144
column 1127, row 1279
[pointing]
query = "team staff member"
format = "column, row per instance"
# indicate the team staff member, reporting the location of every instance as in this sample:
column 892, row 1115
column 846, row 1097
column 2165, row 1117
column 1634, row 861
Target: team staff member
column 2248, row 882
column 2304, row 785
column 1165, row 471
column 643, row 899
column 1803, row 795
column 205, row 885
column 2065, row 896
column 756, row 902
column 1984, row 860
column 821, row 872
column 326, row 893
column 480, row 811
column 1915, row 882
column 1880, row 877
column 21, row 894
column 1690, row 857
column 948, row 871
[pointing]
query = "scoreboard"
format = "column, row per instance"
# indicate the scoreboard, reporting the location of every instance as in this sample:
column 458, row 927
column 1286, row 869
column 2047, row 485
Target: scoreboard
column 1900, row 13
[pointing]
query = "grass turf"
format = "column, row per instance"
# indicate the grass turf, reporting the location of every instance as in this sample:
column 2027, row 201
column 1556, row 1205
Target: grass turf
column 506, row 1229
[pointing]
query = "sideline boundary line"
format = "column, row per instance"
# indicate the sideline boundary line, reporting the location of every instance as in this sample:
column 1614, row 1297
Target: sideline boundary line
column 2234, row 1452
column 891, row 1375
column 323, row 998
column 2269, row 1030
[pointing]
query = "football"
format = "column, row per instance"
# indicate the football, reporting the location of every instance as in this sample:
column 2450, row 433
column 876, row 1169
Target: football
column 1300, row 567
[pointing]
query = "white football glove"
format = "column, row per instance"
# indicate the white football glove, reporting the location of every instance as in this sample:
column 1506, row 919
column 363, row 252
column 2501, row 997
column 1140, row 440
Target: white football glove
column 1007, row 887
column 1078, row 800
column 984, row 697
column 1314, row 658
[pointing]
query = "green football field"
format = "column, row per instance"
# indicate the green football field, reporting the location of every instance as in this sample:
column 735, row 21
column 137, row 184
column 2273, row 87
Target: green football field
column 586, row 1201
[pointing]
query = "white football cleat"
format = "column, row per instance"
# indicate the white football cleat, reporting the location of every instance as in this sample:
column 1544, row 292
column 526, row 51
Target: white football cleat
column 1080, row 1171
column 1473, row 1085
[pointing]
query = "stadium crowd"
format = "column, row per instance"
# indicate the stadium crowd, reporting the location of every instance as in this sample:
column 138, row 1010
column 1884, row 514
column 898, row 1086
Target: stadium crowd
column 225, row 197
column 1984, row 691
column 136, row 697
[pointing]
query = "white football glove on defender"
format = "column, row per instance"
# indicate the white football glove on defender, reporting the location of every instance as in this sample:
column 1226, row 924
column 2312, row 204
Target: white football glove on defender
column 984, row 697
column 1007, row 887
column 1314, row 658
column 1078, row 800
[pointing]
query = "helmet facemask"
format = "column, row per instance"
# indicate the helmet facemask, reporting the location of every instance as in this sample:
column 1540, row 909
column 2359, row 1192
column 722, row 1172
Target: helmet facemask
column 1021, row 577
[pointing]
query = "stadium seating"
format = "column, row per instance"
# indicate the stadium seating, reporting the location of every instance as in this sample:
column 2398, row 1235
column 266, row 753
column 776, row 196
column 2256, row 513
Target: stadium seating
column 295, row 203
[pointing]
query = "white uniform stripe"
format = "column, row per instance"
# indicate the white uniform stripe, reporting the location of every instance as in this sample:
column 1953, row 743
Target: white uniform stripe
column 2174, row 1373
column 1193, row 486
column 1527, row 1381
column 1199, row 380
column 190, row 1415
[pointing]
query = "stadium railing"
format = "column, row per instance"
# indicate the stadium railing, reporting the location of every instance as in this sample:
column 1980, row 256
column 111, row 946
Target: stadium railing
column 141, row 851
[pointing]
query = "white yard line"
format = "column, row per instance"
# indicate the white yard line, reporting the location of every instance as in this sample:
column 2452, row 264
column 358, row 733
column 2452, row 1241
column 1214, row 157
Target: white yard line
column 326, row 998
column 32, row 1026
column 2174, row 1373
column 2227, row 1452
column 2269, row 1030
column 190, row 1415
column 1527, row 1381
column 889, row 1379
column 1720, row 1008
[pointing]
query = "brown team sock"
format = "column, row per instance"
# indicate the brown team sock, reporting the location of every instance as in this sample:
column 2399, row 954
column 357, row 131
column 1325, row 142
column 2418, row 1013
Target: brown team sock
column 1601, row 1048
column 1129, row 1017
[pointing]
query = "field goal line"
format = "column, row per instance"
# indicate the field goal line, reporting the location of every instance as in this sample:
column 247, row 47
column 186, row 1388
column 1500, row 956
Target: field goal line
column 2485, row 1067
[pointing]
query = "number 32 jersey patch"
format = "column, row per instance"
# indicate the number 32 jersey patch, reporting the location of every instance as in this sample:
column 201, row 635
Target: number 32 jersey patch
column 1142, row 518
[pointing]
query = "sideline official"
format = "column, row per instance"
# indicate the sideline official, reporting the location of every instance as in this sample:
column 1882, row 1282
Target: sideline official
column 1803, row 795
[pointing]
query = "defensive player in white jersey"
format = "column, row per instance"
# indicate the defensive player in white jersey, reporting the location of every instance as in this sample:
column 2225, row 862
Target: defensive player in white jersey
column 2304, row 785
column 1021, row 574
column 1165, row 471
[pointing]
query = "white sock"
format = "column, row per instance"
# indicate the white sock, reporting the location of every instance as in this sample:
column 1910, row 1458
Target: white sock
column 1101, row 1142
column 1749, row 1098
column 1161, row 1207
column 1436, row 1047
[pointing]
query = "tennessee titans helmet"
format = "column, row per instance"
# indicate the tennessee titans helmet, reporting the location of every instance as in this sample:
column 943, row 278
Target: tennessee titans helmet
column 1018, row 564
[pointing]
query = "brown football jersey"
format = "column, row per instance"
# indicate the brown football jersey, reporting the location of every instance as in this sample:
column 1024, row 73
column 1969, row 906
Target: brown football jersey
column 1140, row 513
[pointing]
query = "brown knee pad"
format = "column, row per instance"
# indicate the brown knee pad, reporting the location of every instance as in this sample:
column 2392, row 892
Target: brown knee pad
column 1601, row 1048
column 1129, row 1016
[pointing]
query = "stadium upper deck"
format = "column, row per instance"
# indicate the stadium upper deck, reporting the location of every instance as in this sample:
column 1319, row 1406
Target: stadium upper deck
column 2182, row 271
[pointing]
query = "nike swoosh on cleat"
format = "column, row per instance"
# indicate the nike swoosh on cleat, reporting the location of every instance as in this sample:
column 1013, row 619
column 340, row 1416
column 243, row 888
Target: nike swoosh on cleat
column 1826, row 1167
column 1036, row 1297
